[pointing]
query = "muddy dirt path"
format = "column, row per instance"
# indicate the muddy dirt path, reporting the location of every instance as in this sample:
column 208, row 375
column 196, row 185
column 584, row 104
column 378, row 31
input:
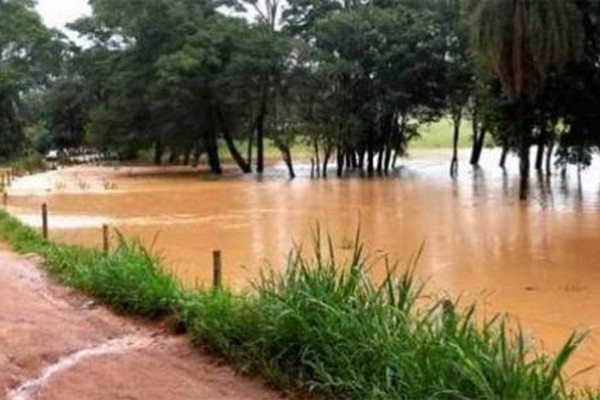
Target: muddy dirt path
column 56, row 344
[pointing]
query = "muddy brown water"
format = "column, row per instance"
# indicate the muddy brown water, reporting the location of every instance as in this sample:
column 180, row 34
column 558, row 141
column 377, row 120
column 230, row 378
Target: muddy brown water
column 539, row 261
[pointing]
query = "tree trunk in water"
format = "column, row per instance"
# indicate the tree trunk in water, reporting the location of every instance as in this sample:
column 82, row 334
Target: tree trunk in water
column 349, row 160
column 370, row 155
column 398, row 151
column 287, row 158
column 187, row 156
column 457, row 119
column 260, row 134
column 317, row 158
column 158, row 152
column 340, row 162
column 549, row 158
column 523, row 170
column 523, row 151
column 250, row 144
column 394, row 159
column 354, row 159
column 260, row 145
column 391, row 139
column 539, row 158
column 502, row 162
column 387, row 161
column 212, row 151
column 380, row 156
column 370, row 163
column 290, row 165
column 478, row 142
column 361, row 159
column 237, row 157
column 326, row 157
column 475, row 130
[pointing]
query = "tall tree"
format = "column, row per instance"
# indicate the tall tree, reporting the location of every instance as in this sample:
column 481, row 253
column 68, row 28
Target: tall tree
column 522, row 41
column 30, row 56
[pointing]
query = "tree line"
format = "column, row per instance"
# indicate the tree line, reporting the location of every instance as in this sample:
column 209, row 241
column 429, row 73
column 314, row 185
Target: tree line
column 355, row 80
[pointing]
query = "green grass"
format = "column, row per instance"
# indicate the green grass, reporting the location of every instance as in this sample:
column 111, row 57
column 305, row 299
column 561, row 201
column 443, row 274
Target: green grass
column 440, row 135
column 329, row 328
column 128, row 279
column 323, row 325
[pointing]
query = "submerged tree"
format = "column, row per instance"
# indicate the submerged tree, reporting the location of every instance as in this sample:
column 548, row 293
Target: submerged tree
column 522, row 41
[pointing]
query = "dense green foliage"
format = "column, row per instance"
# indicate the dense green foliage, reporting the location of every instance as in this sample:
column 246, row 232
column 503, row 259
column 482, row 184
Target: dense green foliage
column 29, row 55
column 354, row 80
column 322, row 326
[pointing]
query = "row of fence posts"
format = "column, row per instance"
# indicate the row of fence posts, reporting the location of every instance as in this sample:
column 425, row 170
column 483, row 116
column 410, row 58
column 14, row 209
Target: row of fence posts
column 217, row 256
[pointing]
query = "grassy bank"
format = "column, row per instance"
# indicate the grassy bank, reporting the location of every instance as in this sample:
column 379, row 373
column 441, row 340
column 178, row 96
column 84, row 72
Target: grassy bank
column 321, row 326
column 440, row 135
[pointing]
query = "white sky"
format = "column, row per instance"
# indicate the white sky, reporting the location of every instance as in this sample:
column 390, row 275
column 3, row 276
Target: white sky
column 57, row 13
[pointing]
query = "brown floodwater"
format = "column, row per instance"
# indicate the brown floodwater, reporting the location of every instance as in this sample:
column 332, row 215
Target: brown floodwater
column 538, row 261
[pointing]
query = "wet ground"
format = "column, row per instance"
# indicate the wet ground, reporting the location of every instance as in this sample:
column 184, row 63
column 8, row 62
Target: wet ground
column 539, row 261
column 56, row 345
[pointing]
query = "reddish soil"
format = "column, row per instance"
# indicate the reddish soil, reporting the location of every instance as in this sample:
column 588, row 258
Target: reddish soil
column 56, row 344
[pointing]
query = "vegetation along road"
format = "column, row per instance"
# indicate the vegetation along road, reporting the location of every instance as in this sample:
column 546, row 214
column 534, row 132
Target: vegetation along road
column 57, row 344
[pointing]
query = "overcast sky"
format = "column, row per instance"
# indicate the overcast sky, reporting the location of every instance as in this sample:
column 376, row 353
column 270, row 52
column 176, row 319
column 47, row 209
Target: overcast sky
column 56, row 13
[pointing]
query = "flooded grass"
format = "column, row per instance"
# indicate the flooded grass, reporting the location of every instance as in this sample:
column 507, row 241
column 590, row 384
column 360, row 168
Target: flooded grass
column 323, row 325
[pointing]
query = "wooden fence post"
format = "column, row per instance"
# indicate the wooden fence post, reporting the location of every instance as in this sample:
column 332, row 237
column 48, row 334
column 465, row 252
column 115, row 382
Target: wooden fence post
column 105, row 239
column 45, row 221
column 4, row 199
column 217, row 269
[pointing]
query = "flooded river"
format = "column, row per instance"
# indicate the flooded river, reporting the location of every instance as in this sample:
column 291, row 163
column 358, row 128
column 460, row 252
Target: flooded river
column 538, row 261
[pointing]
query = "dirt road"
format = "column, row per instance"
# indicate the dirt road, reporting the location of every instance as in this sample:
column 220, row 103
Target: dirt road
column 56, row 344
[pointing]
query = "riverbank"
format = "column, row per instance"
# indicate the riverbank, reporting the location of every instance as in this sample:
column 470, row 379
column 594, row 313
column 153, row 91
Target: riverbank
column 321, row 327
